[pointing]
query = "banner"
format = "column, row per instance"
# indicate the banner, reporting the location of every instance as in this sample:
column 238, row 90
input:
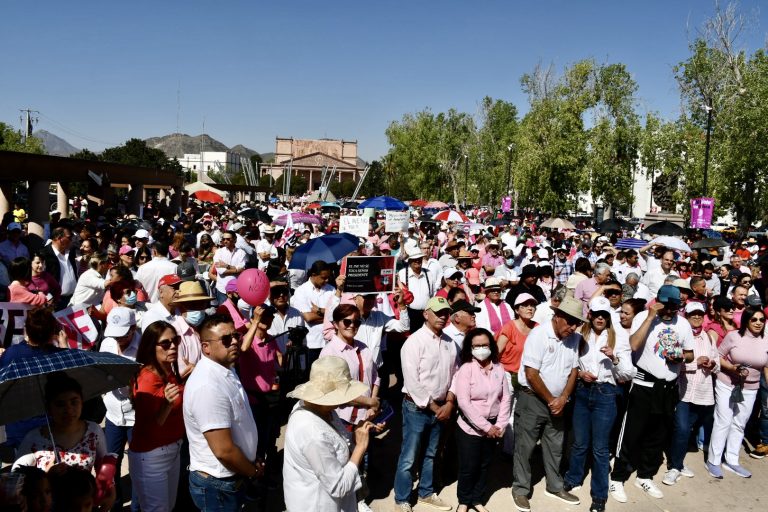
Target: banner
column 702, row 209
column 506, row 204
column 12, row 318
column 354, row 224
column 77, row 323
column 396, row 222
column 368, row 274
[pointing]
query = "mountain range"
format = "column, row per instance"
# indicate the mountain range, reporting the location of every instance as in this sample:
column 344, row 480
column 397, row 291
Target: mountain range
column 55, row 145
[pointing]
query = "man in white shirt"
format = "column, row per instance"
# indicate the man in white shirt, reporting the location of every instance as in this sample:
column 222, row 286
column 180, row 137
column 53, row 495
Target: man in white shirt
column 547, row 377
column 631, row 264
column 229, row 262
column 713, row 282
column 150, row 273
column 420, row 283
column 311, row 299
column 92, row 283
column 219, row 423
column 654, row 278
column 462, row 320
column 168, row 290
column 431, row 265
column 209, row 229
column 265, row 248
column 61, row 264
column 448, row 260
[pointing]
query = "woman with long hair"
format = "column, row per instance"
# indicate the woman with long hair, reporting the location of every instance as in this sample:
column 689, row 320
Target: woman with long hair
column 20, row 272
column 43, row 281
column 722, row 321
column 155, row 447
column 604, row 361
column 743, row 358
column 206, row 249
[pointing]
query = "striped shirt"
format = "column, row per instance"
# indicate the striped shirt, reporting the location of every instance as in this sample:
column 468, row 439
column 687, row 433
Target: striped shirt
column 696, row 383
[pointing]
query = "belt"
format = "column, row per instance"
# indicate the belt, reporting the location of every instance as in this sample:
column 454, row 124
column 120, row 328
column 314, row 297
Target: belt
column 408, row 398
column 527, row 390
column 233, row 478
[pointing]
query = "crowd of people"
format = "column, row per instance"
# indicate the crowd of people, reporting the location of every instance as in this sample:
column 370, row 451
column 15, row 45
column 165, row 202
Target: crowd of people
column 505, row 337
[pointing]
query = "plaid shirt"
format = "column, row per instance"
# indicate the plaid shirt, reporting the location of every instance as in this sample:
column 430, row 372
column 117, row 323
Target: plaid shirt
column 563, row 270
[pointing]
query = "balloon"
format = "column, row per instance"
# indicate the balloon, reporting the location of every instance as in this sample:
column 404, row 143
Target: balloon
column 253, row 286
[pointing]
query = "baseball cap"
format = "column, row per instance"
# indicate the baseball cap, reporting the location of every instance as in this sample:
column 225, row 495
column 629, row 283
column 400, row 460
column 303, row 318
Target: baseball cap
column 454, row 274
column 125, row 250
column 600, row 304
column 754, row 300
column 186, row 271
column 119, row 320
column 462, row 305
column 523, row 298
column 438, row 304
column 236, row 226
column 694, row 306
column 141, row 233
column 668, row 294
column 14, row 226
column 169, row 280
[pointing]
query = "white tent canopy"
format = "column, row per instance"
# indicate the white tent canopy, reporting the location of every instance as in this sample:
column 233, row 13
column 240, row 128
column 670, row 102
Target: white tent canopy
column 199, row 185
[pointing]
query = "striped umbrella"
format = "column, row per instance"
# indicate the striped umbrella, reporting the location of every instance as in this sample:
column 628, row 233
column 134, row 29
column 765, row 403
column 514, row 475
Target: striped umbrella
column 630, row 243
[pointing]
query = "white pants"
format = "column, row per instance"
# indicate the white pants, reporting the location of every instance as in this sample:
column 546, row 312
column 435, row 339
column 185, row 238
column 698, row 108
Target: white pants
column 730, row 419
column 508, row 441
column 155, row 477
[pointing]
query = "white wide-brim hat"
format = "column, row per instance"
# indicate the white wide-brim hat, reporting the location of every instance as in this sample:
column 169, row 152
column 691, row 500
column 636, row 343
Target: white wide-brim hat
column 330, row 383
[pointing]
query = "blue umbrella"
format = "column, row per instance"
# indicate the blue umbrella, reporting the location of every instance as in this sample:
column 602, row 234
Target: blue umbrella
column 711, row 233
column 383, row 203
column 22, row 381
column 630, row 243
column 328, row 248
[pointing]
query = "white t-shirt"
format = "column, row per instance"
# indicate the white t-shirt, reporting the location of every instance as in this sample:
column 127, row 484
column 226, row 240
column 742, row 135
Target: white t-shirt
column 306, row 295
column 675, row 336
column 554, row 358
column 118, row 402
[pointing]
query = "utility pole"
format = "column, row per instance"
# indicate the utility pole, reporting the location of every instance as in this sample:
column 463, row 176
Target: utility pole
column 27, row 121
column 466, row 179
column 709, row 109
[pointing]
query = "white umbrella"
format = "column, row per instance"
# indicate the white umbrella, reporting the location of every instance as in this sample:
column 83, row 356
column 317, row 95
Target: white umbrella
column 672, row 242
column 557, row 223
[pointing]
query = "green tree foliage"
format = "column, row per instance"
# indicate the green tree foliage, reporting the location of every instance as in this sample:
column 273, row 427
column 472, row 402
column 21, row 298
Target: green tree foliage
column 136, row 152
column 498, row 131
column 85, row 154
column 376, row 183
column 11, row 140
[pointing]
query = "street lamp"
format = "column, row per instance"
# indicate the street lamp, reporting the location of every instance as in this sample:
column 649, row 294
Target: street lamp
column 509, row 169
column 709, row 109
column 466, row 179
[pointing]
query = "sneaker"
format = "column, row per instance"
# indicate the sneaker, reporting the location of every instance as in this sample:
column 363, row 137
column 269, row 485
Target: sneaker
column 568, row 487
column 597, row 505
column 434, row 501
column 647, row 485
column 403, row 507
column 671, row 477
column 687, row 472
column 760, row 451
column 563, row 496
column 739, row 470
column 616, row 489
column 362, row 506
column 714, row 471
column 521, row 502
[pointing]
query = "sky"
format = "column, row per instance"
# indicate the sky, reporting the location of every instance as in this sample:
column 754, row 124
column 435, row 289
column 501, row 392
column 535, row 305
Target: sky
column 101, row 72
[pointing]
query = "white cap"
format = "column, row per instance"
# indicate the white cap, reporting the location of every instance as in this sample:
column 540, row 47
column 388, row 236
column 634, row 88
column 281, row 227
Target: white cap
column 694, row 306
column 544, row 263
column 600, row 304
column 542, row 253
column 119, row 320
column 141, row 233
column 492, row 282
column 236, row 226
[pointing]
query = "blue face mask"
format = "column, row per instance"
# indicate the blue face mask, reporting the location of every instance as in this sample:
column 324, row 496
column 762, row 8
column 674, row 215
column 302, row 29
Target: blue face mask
column 195, row 318
column 130, row 299
column 510, row 261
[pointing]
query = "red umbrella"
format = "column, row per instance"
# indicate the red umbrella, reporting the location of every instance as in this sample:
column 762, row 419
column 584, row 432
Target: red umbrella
column 207, row 195
column 313, row 205
column 436, row 204
column 451, row 216
column 418, row 203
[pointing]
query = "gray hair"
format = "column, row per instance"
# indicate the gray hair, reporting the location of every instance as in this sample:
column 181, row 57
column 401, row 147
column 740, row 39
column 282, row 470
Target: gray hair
column 559, row 293
column 632, row 275
column 671, row 278
column 602, row 267
column 97, row 259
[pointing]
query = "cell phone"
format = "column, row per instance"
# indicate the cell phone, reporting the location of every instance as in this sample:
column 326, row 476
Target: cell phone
column 385, row 414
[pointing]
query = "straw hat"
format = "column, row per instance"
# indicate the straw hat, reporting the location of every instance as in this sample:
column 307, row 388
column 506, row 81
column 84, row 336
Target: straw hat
column 191, row 291
column 571, row 307
column 330, row 383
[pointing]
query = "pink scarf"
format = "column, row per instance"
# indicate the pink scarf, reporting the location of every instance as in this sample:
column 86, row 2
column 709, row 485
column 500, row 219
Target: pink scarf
column 493, row 317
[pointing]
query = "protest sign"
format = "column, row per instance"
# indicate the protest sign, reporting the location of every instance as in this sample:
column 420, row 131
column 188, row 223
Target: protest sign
column 369, row 274
column 354, row 224
column 12, row 318
column 396, row 222
column 79, row 326
column 701, row 212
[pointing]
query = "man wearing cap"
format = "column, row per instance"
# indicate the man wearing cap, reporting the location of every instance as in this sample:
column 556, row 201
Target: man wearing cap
column 448, row 260
column 586, row 252
column 527, row 284
column 492, row 258
column 149, row 274
column 162, row 309
column 12, row 247
column 190, row 304
column 462, row 321
column 420, row 284
column 661, row 341
column 428, row 359
column 547, row 378
column 265, row 247
column 494, row 312
column 229, row 262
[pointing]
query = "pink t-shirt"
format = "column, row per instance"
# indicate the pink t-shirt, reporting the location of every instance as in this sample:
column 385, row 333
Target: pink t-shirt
column 481, row 395
column 258, row 366
column 747, row 349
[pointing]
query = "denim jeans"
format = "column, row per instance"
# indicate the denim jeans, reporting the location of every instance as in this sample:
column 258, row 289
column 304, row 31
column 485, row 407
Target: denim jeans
column 418, row 425
column 687, row 417
column 216, row 494
column 763, row 421
column 116, row 439
column 594, row 411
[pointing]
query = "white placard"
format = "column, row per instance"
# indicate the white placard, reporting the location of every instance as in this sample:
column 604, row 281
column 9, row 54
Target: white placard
column 396, row 222
column 354, row 224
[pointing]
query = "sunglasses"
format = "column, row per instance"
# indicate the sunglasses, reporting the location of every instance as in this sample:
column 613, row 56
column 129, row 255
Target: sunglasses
column 572, row 321
column 166, row 344
column 347, row 322
column 756, row 319
column 225, row 238
column 143, row 257
column 611, row 293
column 277, row 292
column 228, row 339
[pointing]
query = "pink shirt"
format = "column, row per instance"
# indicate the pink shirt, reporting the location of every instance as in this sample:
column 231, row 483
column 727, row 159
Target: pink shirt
column 745, row 349
column 258, row 365
column 481, row 394
column 354, row 355
column 429, row 363
column 584, row 292
column 190, row 351
column 696, row 383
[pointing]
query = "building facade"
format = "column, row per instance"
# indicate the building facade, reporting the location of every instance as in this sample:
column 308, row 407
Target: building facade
column 200, row 164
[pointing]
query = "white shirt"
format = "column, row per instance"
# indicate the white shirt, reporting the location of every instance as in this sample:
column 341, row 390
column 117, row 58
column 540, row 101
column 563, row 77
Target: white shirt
column 89, row 289
column 642, row 292
column 421, row 286
column 455, row 334
column 235, row 259
column 677, row 334
column 317, row 473
column 214, row 399
column 281, row 323
column 118, row 403
column 68, row 277
column 654, row 280
column 592, row 360
column 155, row 313
column 435, row 271
column 149, row 275
column 552, row 357
column 544, row 313
column 623, row 270
column 307, row 295
column 483, row 320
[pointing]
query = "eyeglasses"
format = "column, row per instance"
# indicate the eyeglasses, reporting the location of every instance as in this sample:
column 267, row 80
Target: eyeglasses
column 227, row 339
column 572, row 321
column 755, row 319
column 166, row 344
column 611, row 293
column 481, row 346
column 347, row 322
column 278, row 292
column 226, row 238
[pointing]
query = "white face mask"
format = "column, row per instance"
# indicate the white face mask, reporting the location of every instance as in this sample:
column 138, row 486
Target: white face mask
column 481, row 353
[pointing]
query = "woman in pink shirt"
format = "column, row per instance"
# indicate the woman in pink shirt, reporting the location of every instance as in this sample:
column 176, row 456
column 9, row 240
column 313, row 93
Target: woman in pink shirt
column 20, row 272
column 482, row 395
column 743, row 357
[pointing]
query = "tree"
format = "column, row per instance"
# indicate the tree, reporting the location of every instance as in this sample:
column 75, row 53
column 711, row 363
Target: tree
column 85, row 154
column 376, row 183
column 255, row 161
column 498, row 130
column 11, row 140
column 136, row 152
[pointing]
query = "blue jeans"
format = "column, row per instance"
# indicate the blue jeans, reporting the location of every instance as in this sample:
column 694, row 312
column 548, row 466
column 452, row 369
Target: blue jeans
column 687, row 417
column 763, row 421
column 594, row 410
column 216, row 494
column 116, row 439
column 418, row 426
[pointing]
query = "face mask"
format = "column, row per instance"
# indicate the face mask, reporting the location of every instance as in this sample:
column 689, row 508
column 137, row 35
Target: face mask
column 130, row 299
column 195, row 318
column 481, row 353
column 510, row 262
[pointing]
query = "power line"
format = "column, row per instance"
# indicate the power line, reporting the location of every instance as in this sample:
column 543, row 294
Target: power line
column 75, row 133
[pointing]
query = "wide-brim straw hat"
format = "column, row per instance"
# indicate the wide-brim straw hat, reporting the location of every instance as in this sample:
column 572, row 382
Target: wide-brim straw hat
column 191, row 291
column 571, row 307
column 330, row 383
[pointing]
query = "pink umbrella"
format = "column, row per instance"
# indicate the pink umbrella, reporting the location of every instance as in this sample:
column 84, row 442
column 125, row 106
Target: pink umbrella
column 450, row 216
column 436, row 204
column 304, row 218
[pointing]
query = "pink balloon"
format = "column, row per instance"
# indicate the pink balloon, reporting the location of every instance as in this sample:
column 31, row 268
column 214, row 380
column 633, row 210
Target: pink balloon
column 253, row 286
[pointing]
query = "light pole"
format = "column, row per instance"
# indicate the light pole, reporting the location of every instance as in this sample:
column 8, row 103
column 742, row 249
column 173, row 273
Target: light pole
column 509, row 169
column 466, row 179
column 709, row 109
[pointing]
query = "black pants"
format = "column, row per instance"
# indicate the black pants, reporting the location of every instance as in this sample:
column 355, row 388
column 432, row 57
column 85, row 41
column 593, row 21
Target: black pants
column 646, row 430
column 416, row 317
column 313, row 354
column 475, row 454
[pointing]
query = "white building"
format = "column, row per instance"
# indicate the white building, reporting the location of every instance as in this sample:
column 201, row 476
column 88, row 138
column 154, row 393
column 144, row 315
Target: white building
column 202, row 163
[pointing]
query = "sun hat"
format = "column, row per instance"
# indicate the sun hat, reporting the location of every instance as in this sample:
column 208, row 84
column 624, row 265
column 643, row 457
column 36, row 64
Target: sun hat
column 330, row 383
column 119, row 320
column 682, row 283
column 191, row 291
column 269, row 230
column 436, row 304
column 464, row 254
column 600, row 304
column 492, row 282
column 668, row 294
column 416, row 255
column 694, row 306
column 523, row 298
column 572, row 307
